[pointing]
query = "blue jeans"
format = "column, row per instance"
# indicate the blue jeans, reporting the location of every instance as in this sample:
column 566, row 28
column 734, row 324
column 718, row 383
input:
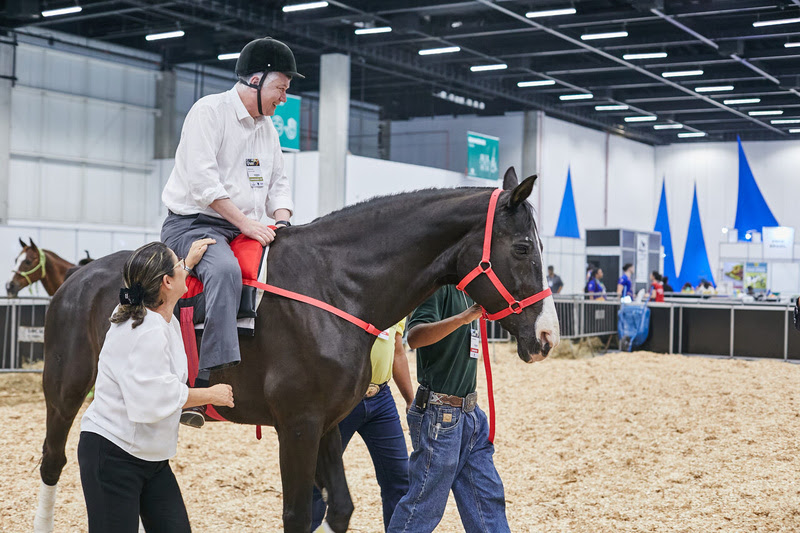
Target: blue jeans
column 378, row 423
column 451, row 451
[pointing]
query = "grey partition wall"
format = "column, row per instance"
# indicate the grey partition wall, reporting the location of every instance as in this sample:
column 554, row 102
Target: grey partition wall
column 611, row 249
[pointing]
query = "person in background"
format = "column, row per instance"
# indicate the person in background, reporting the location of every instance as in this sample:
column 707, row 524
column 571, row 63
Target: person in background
column 449, row 432
column 554, row 280
column 130, row 431
column 656, row 287
column 378, row 423
column 625, row 285
column 687, row 288
column 706, row 288
column 667, row 286
column 595, row 287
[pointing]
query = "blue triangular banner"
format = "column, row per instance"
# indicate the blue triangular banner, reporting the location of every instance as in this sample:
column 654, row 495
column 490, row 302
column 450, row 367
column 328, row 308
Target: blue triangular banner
column 568, row 218
column 695, row 266
column 662, row 226
column 752, row 211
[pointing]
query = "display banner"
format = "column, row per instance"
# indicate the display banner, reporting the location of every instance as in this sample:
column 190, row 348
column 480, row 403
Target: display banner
column 777, row 242
column 755, row 276
column 733, row 273
column 642, row 267
column 482, row 156
column 287, row 123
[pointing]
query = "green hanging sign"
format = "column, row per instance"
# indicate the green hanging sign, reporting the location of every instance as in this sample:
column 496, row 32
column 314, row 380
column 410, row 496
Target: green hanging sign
column 287, row 123
column 482, row 156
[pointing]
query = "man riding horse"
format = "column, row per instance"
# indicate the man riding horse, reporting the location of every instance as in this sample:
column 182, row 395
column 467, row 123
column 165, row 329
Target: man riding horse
column 228, row 174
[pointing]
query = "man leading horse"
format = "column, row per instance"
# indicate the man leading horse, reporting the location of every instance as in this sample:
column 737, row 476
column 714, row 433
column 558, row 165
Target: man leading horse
column 228, row 174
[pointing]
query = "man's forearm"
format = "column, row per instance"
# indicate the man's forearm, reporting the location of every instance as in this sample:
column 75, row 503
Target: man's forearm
column 400, row 371
column 282, row 214
column 427, row 334
column 229, row 211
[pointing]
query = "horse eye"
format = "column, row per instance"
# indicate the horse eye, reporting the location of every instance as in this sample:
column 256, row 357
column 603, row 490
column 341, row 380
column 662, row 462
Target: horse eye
column 521, row 249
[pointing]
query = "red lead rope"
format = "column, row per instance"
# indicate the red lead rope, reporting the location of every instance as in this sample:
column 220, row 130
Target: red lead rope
column 514, row 306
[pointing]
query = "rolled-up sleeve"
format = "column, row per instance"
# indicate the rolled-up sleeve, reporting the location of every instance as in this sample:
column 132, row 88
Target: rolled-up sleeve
column 196, row 157
column 280, row 190
column 150, row 389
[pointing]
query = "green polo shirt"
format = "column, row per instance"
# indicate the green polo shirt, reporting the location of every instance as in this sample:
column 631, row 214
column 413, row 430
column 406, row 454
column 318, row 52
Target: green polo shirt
column 446, row 366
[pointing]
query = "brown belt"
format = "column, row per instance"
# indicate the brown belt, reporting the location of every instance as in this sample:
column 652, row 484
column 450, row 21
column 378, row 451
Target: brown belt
column 467, row 403
column 374, row 388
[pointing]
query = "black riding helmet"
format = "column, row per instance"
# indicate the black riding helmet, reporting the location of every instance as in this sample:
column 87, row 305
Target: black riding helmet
column 265, row 55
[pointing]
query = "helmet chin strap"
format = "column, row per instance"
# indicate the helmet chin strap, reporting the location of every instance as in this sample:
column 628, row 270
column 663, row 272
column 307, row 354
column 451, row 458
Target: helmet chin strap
column 257, row 88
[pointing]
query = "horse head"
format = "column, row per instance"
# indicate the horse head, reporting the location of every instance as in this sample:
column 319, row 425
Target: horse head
column 516, row 259
column 28, row 268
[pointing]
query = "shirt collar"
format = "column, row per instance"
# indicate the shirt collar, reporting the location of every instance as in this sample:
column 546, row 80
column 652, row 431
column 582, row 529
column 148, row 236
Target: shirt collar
column 238, row 105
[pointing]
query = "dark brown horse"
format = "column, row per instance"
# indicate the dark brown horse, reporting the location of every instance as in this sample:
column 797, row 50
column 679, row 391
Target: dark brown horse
column 36, row 264
column 305, row 369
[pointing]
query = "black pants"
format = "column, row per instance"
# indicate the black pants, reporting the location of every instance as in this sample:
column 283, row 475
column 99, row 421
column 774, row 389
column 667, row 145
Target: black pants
column 119, row 488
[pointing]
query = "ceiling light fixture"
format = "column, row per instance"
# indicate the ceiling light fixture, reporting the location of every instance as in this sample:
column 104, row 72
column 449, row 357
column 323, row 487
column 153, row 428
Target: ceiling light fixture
column 714, row 89
column 461, row 100
column 304, row 7
column 536, row 83
column 225, row 57
column 668, row 127
column 643, row 118
column 611, row 107
column 371, row 31
column 682, row 73
column 484, row 68
column 62, row 11
column 551, row 12
column 445, row 50
column 764, row 113
column 785, row 121
column 794, row 130
column 585, row 96
column 165, row 35
column 606, row 35
column 692, row 134
column 736, row 101
column 647, row 55
column 762, row 23
column 791, row 45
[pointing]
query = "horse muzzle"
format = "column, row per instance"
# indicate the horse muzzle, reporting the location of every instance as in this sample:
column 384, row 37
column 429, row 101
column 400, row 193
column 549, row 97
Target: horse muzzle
column 12, row 289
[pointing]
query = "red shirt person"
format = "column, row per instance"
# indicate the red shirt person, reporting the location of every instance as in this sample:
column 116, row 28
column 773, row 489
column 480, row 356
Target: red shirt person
column 656, row 287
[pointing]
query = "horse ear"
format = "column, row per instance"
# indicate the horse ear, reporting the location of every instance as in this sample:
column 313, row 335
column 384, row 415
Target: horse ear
column 510, row 179
column 521, row 192
column 33, row 245
column 22, row 243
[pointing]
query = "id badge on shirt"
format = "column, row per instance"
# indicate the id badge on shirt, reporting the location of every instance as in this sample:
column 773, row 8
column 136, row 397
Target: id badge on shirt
column 475, row 343
column 254, row 173
column 384, row 335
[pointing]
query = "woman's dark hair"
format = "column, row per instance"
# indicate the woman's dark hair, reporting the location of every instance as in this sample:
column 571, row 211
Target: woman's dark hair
column 142, row 275
column 657, row 276
column 687, row 285
column 592, row 275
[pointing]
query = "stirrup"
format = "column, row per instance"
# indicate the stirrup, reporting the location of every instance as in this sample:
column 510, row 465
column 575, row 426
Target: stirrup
column 193, row 417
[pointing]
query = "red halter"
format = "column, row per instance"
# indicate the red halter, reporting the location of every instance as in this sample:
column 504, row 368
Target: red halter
column 485, row 267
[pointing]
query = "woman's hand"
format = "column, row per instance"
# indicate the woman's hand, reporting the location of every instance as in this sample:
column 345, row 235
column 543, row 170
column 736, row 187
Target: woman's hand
column 221, row 394
column 197, row 250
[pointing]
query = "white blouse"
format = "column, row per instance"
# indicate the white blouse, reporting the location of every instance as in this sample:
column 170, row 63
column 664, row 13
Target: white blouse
column 140, row 388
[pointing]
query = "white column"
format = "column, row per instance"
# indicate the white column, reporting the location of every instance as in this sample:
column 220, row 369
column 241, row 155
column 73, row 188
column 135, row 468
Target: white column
column 531, row 154
column 334, row 115
column 166, row 138
column 6, row 68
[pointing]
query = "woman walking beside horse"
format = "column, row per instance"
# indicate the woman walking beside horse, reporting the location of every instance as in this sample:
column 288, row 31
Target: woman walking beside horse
column 130, row 431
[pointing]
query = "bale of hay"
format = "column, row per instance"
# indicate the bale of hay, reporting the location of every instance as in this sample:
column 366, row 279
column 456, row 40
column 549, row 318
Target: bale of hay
column 577, row 349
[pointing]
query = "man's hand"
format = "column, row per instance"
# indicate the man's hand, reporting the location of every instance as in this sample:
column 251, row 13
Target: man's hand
column 471, row 314
column 258, row 231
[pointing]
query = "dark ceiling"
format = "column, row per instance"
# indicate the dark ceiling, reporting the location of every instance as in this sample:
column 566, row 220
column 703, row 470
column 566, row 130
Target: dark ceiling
column 716, row 37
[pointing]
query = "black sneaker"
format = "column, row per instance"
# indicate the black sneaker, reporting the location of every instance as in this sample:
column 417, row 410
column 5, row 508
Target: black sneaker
column 194, row 416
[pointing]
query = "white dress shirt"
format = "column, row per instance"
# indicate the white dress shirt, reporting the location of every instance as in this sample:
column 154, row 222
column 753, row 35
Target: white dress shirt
column 217, row 139
column 140, row 388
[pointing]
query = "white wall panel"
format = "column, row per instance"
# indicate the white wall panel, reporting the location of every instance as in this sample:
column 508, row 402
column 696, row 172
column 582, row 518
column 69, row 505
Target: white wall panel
column 61, row 191
column 633, row 188
column 104, row 196
column 24, row 190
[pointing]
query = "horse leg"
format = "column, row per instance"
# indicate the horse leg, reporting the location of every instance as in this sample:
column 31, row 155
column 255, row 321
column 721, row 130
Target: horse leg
column 64, row 395
column 299, row 446
column 330, row 476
